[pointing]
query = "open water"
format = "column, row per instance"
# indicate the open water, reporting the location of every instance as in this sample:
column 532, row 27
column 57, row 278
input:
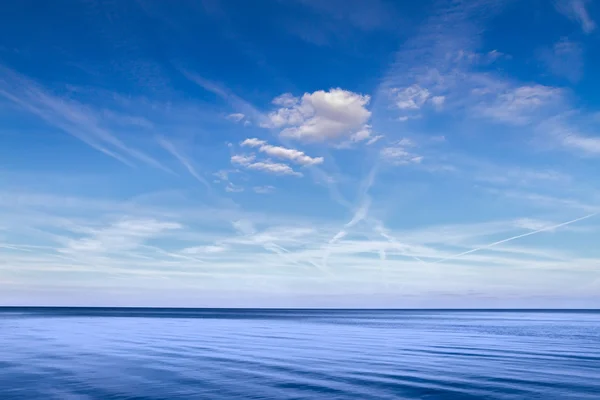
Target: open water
column 143, row 354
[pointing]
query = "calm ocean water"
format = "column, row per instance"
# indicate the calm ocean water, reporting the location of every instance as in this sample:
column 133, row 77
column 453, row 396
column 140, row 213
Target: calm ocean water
column 308, row 354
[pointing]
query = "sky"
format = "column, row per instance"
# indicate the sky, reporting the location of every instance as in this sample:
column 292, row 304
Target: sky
column 300, row 153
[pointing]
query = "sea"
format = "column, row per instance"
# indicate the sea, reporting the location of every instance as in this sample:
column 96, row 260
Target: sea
column 144, row 354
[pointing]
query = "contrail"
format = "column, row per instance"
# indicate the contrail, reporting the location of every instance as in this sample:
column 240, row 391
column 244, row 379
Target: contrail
column 548, row 228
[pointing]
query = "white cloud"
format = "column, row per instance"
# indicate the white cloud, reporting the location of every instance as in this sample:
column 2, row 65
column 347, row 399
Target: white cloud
column 576, row 11
column 374, row 139
column 209, row 249
column 520, row 105
column 247, row 161
column 363, row 134
column 438, row 101
column 236, row 117
column 243, row 159
column 122, row 235
column 223, row 175
column 586, row 144
column 292, row 155
column 231, row 188
column 321, row 115
column 273, row 168
column 398, row 155
column 530, row 224
column 285, row 100
column 253, row 142
column 264, row 189
column 410, row 98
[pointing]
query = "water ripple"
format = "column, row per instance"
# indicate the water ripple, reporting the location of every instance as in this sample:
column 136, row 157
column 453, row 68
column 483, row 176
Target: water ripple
column 306, row 354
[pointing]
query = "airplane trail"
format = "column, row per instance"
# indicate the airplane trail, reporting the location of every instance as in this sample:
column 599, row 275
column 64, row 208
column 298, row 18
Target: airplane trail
column 548, row 228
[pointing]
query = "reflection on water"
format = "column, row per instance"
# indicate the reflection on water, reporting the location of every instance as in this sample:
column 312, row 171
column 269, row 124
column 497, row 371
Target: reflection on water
column 309, row 354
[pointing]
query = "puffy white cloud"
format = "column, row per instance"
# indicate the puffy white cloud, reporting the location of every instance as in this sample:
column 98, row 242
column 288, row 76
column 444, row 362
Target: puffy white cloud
column 292, row 155
column 321, row 115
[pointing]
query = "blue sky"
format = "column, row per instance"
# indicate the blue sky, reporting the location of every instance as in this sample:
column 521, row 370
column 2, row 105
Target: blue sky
column 300, row 153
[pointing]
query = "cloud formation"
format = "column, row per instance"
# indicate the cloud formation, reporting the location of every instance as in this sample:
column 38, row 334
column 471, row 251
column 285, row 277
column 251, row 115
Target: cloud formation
column 398, row 154
column 521, row 105
column 576, row 10
column 236, row 117
column 410, row 98
column 247, row 161
column 264, row 189
column 293, row 155
column 321, row 116
column 86, row 123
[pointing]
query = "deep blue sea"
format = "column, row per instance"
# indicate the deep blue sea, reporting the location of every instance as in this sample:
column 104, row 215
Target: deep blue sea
column 66, row 353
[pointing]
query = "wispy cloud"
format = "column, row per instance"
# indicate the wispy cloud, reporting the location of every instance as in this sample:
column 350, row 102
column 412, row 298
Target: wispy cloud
column 564, row 59
column 398, row 153
column 236, row 117
column 76, row 119
column 339, row 21
column 576, row 10
column 168, row 146
column 263, row 189
column 544, row 229
column 410, row 98
column 522, row 104
column 566, row 134
column 122, row 235
column 241, row 106
column 232, row 188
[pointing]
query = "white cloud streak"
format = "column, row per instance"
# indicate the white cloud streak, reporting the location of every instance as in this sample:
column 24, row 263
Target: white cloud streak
column 69, row 116
column 576, row 10
column 247, row 161
column 236, row 117
column 488, row 246
column 293, row 155
column 168, row 146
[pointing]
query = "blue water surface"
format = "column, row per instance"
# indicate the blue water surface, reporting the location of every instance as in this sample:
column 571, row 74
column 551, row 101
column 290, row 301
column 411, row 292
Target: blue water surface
column 67, row 353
